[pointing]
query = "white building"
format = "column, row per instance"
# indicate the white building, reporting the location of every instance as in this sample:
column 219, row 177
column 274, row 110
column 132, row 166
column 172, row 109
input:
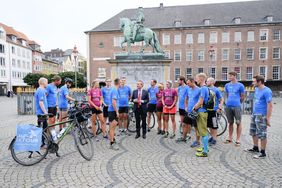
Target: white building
column 16, row 59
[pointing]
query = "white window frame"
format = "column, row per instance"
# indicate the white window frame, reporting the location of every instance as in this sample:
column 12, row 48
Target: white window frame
column 261, row 31
column 166, row 39
column 174, row 56
column 177, row 38
column 278, row 34
column 279, row 52
column 213, row 37
column 251, row 38
column 176, row 76
column 265, row 73
column 199, row 56
column 199, row 69
column 222, row 56
column 253, row 54
column 227, row 39
column 187, row 76
column 117, row 41
column 102, row 72
column 201, row 38
column 189, row 38
column 237, row 54
column 224, row 74
column 247, row 73
column 266, row 53
column 237, row 36
column 238, row 77
column 167, row 52
column 279, row 72
column 212, row 74
column 191, row 55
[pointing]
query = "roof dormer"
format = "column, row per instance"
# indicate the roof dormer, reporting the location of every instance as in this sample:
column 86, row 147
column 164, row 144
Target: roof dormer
column 237, row 20
column 177, row 23
column 268, row 18
column 207, row 21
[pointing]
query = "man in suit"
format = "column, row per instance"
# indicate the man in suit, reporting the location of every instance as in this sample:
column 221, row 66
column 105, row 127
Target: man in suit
column 140, row 98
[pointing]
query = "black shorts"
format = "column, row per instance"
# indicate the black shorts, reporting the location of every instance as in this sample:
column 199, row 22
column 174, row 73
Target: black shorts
column 160, row 109
column 122, row 110
column 211, row 122
column 42, row 121
column 95, row 111
column 112, row 116
column 53, row 111
column 152, row 108
column 182, row 112
column 189, row 121
column 105, row 111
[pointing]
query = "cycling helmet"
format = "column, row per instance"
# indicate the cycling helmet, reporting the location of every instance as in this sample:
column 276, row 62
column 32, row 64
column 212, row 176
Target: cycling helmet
column 68, row 80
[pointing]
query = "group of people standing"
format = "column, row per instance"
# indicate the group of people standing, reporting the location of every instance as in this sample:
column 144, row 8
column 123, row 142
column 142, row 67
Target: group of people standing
column 197, row 99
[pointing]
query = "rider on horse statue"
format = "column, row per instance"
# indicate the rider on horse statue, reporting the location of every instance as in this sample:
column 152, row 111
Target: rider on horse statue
column 138, row 25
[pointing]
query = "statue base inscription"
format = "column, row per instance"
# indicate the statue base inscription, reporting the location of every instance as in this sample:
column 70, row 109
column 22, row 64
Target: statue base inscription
column 142, row 68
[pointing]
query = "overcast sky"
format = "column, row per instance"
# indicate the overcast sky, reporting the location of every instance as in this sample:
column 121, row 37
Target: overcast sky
column 61, row 23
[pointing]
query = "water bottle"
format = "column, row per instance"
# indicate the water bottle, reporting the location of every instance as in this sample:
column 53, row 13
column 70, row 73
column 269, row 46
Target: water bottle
column 54, row 134
column 61, row 132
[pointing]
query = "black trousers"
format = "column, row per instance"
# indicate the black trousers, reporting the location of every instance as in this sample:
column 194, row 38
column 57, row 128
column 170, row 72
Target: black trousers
column 140, row 116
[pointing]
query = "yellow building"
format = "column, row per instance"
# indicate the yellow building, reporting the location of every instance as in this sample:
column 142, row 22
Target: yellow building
column 51, row 67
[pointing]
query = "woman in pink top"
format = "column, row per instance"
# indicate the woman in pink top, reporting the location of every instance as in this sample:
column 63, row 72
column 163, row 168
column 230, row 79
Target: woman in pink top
column 169, row 102
column 95, row 100
column 160, row 108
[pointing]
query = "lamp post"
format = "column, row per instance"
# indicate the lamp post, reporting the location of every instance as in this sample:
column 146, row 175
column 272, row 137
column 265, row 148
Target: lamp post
column 75, row 53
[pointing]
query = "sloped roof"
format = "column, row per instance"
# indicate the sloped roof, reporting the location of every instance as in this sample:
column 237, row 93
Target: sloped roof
column 250, row 12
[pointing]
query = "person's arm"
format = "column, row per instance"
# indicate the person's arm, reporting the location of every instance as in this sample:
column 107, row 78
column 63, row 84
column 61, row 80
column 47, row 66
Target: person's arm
column 175, row 100
column 146, row 99
column 242, row 94
column 199, row 103
column 163, row 100
column 41, row 104
column 114, row 102
column 269, row 112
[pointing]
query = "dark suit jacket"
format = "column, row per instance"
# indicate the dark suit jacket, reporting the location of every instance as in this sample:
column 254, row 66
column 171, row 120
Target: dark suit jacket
column 144, row 97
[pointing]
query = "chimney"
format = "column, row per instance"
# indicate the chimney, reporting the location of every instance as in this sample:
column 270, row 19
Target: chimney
column 161, row 5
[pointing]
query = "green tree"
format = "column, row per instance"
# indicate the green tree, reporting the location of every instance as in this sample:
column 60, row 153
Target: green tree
column 81, row 83
column 32, row 79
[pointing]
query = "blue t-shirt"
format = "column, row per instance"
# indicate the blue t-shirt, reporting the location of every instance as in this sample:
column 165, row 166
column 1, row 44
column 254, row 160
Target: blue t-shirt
column 153, row 94
column 234, row 92
column 218, row 96
column 113, row 95
column 52, row 92
column 106, row 95
column 40, row 95
column 63, row 101
column 261, row 98
column 124, row 94
column 204, row 93
column 182, row 94
column 193, row 97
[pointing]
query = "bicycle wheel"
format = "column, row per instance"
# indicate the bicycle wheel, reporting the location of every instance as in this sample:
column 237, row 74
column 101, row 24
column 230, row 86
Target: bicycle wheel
column 131, row 125
column 152, row 121
column 28, row 158
column 221, row 121
column 83, row 143
column 89, row 127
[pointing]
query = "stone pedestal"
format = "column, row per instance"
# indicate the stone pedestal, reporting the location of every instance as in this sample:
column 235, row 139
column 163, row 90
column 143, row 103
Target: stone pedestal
column 140, row 67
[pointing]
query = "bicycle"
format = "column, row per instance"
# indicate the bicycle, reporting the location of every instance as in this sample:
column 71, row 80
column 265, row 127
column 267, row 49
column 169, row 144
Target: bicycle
column 75, row 127
column 131, row 125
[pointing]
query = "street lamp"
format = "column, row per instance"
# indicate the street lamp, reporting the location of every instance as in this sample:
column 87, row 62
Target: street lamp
column 75, row 53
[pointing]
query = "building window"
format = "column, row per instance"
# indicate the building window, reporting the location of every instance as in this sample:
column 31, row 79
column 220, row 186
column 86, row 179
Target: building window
column 263, row 53
column 207, row 21
column 263, row 71
column 237, row 54
column 167, row 54
column 224, row 73
column 23, row 52
column 14, row 38
column 276, row 53
column 212, row 55
column 200, row 70
column 276, row 34
column 201, row 55
column 249, row 73
column 101, row 73
column 3, row 73
column 2, row 48
column 269, row 18
column 238, row 71
column 201, row 38
column 177, row 39
column 19, row 64
column 177, row 55
column 166, row 39
column 225, row 37
column 176, row 73
column 189, row 38
column 117, row 41
column 13, row 63
column 263, row 34
column 19, row 51
column 237, row 37
column 28, row 65
column 24, row 64
column 27, row 54
column 189, row 73
column 213, row 37
column 237, row 20
column 13, row 50
column 276, row 73
column 2, row 35
column 213, row 72
column 189, row 55
column 225, row 54
column 2, row 62
column 251, row 36
column 250, row 53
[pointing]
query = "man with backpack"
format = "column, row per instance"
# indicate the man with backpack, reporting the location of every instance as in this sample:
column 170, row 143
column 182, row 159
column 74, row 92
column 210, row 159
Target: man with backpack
column 215, row 102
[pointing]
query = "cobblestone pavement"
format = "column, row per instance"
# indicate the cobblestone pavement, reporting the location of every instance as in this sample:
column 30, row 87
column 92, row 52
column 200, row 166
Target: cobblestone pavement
column 154, row 162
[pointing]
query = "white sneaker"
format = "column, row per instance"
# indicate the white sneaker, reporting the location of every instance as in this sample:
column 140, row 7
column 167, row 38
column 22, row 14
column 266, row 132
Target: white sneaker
column 114, row 146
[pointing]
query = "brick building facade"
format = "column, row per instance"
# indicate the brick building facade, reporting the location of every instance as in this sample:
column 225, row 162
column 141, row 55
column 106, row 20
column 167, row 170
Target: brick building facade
column 214, row 38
